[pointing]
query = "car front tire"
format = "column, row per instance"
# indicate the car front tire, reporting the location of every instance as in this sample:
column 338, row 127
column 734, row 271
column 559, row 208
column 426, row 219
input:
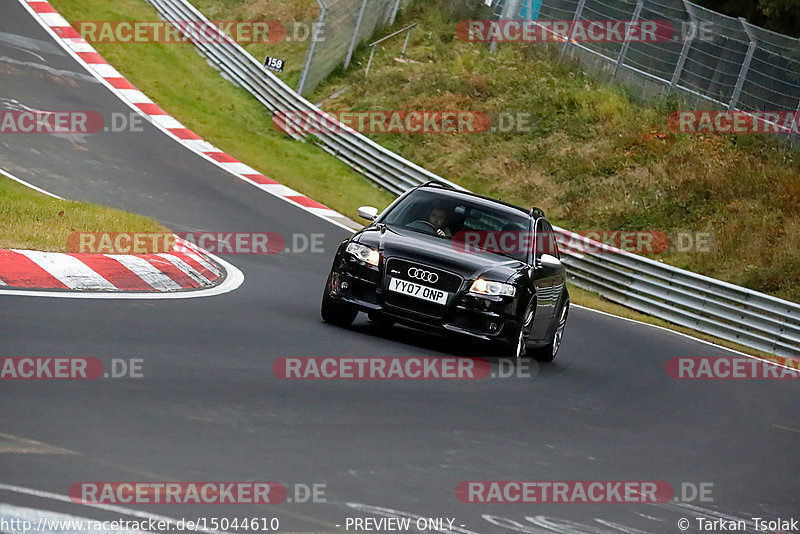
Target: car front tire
column 336, row 312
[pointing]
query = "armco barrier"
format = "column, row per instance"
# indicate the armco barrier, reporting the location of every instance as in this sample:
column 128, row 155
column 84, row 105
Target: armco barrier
column 704, row 304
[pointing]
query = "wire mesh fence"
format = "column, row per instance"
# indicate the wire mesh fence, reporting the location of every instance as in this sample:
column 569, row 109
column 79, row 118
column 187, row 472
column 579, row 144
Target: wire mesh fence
column 344, row 24
column 719, row 59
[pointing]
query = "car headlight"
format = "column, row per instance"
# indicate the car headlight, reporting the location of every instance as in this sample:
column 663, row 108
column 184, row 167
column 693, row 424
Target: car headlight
column 363, row 253
column 486, row 287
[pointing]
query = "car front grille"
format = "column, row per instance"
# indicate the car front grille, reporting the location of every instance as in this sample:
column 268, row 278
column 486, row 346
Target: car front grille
column 447, row 281
column 397, row 268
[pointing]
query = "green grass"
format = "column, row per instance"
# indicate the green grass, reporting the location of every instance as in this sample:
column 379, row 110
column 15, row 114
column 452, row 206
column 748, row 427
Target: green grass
column 182, row 83
column 35, row 221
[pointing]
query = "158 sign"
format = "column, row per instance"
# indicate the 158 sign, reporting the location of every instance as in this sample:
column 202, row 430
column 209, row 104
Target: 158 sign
column 273, row 63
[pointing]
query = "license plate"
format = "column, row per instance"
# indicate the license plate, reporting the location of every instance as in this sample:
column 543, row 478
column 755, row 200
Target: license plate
column 412, row 289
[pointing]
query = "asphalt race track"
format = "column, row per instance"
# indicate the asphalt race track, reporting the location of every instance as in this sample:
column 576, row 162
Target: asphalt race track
column 209, row 407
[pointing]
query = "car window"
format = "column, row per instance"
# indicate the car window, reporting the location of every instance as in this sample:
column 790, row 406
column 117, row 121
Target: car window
column 545, row 242
column 479, row 224
column 549, row 237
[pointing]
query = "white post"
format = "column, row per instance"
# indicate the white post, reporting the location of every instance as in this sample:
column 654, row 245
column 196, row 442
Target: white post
column 575, row 19
column 310, row 55
column 626, row 44
column 687, row 44
column 355, row 35
column 745, row 66
column 510, row 12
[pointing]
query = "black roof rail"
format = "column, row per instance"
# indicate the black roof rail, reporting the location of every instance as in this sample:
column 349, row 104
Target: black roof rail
column 536, row 212
column 438, row 184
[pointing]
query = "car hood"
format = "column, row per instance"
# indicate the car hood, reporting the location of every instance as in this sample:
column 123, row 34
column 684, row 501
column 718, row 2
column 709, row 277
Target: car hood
column 438, row 252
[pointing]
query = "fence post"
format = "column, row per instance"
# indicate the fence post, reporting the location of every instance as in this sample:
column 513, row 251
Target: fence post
column 355, row 35
column 310, row 55
column 575, row 19
column 687, row 44
column 626, row 44
column 795, row 126
column 405, row 43
column 369, row 62
column 394, row 12
column 745, row 66
column 509, row 12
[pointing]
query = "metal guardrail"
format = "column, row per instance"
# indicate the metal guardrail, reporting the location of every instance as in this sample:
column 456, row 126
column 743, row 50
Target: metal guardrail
column 704, row 304
column 682, row 297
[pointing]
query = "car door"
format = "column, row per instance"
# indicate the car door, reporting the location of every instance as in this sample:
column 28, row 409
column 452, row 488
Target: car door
column 546, row 280
column 559, row 277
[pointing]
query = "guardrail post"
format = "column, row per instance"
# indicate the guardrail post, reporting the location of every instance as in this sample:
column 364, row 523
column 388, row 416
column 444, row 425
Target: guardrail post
column 626, row 44
column 575, row 19
column 355, row 35
column 310, row 55
column 745, row 67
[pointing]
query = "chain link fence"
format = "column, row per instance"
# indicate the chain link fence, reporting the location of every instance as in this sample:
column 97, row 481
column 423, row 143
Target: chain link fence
column 344, row 24
column 710, row 57
column 722, row 60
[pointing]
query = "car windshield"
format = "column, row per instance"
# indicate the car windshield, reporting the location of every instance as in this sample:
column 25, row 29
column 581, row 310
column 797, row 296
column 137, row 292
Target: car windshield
column 472, row 226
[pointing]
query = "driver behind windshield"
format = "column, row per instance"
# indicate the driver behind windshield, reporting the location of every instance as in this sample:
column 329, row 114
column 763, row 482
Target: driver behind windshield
column 438, row 217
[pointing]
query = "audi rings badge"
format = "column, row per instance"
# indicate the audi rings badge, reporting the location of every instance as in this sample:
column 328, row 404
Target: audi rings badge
column 423, row 276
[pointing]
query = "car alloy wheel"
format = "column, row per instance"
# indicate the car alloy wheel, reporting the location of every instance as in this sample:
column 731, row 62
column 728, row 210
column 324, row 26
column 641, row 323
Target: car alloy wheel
column 524, row 332
column 562, row 322
column 549, row 351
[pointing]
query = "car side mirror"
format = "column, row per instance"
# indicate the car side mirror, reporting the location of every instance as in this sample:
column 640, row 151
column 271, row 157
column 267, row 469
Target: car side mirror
column 368, row 212
column 549, row 262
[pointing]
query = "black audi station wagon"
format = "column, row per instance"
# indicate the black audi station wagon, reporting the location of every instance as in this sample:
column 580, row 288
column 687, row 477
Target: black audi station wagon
column 458, row 263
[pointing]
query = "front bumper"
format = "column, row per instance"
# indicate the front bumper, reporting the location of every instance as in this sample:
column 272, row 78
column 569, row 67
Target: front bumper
column 489, row 319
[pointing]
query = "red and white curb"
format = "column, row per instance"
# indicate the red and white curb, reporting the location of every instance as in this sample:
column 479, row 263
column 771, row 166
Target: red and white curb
column 187, row 271
column 181, row 269
column 84, row 53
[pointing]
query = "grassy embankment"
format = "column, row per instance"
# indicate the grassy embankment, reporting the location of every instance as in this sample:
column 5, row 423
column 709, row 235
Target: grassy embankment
column 35, row 221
